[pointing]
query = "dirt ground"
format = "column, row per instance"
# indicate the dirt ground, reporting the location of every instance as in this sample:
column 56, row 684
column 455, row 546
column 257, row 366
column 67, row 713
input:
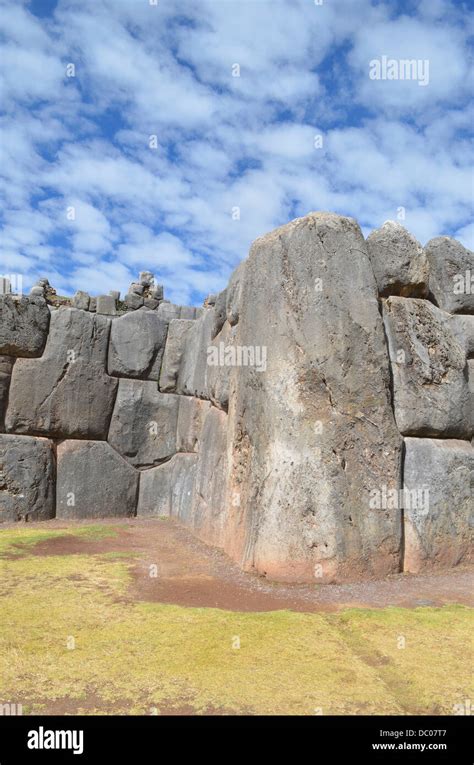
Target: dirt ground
column 191, row 573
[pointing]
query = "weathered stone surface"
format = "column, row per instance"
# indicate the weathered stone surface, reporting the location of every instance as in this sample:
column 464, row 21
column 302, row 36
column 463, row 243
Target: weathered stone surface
column 438, row 529
column 81, row 300
column 234, row 294
column 451, row 274
column 313, row 435
column 66, row 393
column 93, row 481
column 144, row 423
column 462, row 327
column 26, row 479
column 168, row 311
column 168, row 490
column 6, row 366
column 133, row 301
column 93, row 304
column 399, row 262
column 115, row 294
column 24, row 326
column 146, row 278
column 106, row 305
column 209, row 509
column 151, row 303
column 137, row 342
column 173, row 353
column 191, row 416
column 430, row 388
column 193, row 372
column 222, row 358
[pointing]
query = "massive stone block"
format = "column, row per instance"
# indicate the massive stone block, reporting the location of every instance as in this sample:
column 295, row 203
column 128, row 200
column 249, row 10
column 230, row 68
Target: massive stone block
column 430, row 386
column 194, row 368
column 66, row 393
column 209, row 511
column 6, row 366
column 168, row 490
column 399, row 262
column 191, row 417
column 173, row 353
column 144, row 423
column 439, row 475
column 24, row 326
column 314, row 433
column 27, row 489
column 451, row 274
column 93, row 481
column 137, row 342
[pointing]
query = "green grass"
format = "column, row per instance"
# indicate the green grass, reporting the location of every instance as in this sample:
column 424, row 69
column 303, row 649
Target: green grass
column 133, row 657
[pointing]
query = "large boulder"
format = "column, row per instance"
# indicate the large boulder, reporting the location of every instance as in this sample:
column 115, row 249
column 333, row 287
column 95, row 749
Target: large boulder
column 93, row 481
column 173, row 354
column 430, row 387
column 137, row 342
column 26, row 479
column 66, row 393
column 24, row 326
column 6, row 366
column 439, row 506
column 312, row 429
column 144, row 423
column 451, row 274
column 399, row 263
column 168, row 490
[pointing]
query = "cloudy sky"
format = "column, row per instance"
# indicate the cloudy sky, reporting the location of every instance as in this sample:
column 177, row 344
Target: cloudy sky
column 168, row 134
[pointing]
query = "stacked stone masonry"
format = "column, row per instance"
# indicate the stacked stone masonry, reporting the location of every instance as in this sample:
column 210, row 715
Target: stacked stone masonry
column 314, row 419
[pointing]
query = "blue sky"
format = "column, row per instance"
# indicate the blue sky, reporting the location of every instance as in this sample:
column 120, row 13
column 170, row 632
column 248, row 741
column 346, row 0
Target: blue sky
column 82, row 143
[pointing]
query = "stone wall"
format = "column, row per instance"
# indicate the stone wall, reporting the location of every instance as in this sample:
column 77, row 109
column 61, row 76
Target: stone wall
column 314, row 419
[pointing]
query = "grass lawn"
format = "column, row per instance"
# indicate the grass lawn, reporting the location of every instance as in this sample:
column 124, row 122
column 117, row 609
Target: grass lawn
column 74, row 640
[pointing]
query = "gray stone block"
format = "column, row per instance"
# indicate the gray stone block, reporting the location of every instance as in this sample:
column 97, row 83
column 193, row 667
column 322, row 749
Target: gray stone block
column 93, row 481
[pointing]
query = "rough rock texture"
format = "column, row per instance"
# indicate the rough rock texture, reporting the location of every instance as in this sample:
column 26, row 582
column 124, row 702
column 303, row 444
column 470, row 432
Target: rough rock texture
column 26, row 479
column 169, row 489
column 462, row 327
column 6, row 366
column 144, row 423
column 451, row 274
column 191, row 417
column 93, row 481
column 106, row 305
column 194, row 369
column 314, row 434
column 137, row 342
column 66, row 393
column 174, row 349
column 430, row 386
column 399, row 262
column 438, row 532
column 265, row 421
column 209, row 516
column 23, row 326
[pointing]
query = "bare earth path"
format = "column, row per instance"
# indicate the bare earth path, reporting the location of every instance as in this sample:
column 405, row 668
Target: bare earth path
column 190, row 573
